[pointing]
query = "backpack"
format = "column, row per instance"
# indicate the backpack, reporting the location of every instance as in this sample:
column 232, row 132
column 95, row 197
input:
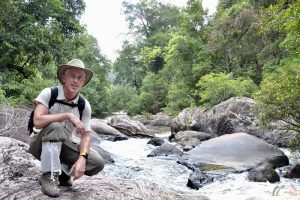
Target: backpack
column 53, row 99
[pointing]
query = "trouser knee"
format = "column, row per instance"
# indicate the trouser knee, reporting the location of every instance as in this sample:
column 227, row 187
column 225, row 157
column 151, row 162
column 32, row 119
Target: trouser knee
column 54, row 132
column 95, row 164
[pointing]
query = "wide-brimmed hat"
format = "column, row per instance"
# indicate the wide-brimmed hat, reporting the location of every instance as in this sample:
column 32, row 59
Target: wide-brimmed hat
column 74, row 64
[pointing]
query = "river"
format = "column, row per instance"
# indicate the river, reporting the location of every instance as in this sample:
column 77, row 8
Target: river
column 131, row 162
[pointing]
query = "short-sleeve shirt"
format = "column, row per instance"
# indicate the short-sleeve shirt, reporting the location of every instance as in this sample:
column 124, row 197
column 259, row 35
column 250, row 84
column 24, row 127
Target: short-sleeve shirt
column 44, row 98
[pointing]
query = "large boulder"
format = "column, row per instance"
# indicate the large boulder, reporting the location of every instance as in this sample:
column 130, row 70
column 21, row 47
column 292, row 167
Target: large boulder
column 237, row 114
column 130, row 127
column 190, row 139
column 184, row 120
column 105, row 131
column 239, row 151
column 13, row 122
column 20, row 172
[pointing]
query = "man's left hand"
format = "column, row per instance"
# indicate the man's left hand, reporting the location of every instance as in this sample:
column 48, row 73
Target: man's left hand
column 79, row 168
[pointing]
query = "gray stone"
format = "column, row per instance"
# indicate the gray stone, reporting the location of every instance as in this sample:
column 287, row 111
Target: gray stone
column 239, row 151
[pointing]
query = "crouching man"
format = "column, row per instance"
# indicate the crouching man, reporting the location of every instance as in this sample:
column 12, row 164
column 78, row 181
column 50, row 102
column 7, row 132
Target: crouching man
column 62, row 133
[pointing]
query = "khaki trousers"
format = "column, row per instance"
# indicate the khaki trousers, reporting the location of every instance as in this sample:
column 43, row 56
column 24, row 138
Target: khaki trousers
column 55, row 132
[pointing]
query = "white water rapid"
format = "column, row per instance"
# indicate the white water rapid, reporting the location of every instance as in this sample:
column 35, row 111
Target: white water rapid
column 131, row 162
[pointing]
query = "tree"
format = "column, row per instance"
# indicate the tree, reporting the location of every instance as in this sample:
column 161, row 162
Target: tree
column 279, row 94
column 217, row 87
column 149, row 17
column 128, row 68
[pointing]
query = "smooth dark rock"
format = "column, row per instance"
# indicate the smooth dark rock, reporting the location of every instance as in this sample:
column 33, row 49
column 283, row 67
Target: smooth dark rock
column 156, row 141
column 262, row 173
column 165, row 150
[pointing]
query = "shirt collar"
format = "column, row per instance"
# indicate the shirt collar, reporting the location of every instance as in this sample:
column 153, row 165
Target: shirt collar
column 61, row 95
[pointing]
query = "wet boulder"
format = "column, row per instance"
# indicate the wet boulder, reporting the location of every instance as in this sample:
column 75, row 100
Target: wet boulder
column 294, row 172
column 262, row 173
column 165, row 150
column 240, row 151
column 156, row 141
column 105, row 131
column 130, row 127
column 198, row 179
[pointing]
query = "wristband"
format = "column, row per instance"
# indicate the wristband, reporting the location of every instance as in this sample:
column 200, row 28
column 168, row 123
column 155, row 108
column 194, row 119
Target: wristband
column 85, row 155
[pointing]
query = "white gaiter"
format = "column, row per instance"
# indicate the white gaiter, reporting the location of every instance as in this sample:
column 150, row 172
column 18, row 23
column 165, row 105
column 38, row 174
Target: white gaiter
column 50, row 161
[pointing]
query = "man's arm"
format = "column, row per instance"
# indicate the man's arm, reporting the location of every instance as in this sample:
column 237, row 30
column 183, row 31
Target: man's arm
column 43, row 119
column 84, row 148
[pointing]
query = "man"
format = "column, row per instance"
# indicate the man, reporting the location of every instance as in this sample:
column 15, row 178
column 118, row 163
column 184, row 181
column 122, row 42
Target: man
column 61, row 140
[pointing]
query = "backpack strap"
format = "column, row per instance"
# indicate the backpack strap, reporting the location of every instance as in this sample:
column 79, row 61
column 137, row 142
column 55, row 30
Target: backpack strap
column 54, row 94
column 81, row 105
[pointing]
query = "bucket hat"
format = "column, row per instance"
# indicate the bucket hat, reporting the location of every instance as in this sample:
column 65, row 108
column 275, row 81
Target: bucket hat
column 74, row 64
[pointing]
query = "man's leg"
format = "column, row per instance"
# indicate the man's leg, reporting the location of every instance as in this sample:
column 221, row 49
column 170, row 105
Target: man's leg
column 47, row 147
column 70, row 153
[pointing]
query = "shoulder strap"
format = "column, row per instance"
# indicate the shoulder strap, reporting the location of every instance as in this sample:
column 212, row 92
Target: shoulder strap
column 81, row 105
column 54, row 94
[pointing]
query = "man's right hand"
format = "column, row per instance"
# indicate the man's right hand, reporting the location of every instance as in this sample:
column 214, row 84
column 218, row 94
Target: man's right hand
column 76, row 123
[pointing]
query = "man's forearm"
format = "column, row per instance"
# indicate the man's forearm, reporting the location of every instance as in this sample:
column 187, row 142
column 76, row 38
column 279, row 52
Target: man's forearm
column 85, row 142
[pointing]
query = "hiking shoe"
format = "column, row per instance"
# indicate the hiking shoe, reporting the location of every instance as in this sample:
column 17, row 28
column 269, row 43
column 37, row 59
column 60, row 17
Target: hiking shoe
column 49, row 186
column 65, row 180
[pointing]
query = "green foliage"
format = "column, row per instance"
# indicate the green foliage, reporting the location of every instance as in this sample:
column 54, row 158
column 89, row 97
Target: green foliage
column 152, row 96
column 36, row 32
column 179, row 97
column 279, row 94
column 285, row 18
column 149, row 17
column 120, row 96
column 128, row 68
column 215, row 88
column 152, row 58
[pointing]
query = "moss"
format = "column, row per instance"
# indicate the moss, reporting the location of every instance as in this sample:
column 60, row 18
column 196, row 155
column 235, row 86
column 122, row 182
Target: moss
column 212, row 167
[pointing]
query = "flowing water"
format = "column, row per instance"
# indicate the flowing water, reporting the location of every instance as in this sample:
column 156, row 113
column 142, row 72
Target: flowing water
column 131, row 162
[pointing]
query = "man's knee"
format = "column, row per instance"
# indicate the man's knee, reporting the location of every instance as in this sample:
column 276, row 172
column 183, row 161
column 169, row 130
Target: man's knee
column 95, row 164
column 54, row 132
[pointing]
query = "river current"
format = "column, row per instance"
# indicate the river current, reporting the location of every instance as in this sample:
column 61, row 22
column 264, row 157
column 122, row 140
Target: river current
column 131, row 162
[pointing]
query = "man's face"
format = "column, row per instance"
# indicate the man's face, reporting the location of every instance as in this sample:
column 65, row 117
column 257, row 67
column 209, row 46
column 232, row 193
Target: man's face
column 74, row 79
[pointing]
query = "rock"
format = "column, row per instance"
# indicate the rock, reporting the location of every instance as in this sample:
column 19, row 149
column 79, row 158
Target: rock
column 165, row 150
column 239, row 151
column 294, row 172
column 198, row 179
column 159, row 119
column 237, row 114
column 130, row 127
column 105, row 131
column 262, row 173
column 279, row 138
column 156, row 141
column 13, row 123
column 184, row 120
column 105, row 154
column 190, row 139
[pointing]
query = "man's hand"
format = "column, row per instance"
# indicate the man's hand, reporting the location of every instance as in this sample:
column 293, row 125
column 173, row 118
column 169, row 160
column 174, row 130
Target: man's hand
column 76, row 123
column 79, row 168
